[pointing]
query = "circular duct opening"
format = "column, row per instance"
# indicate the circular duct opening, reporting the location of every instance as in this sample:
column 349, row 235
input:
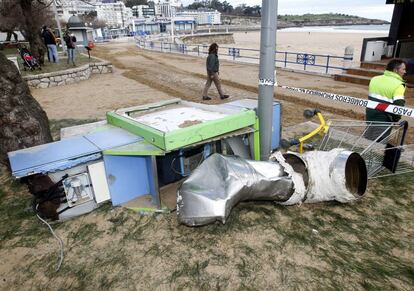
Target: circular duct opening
column 298, row 166
column 356, row 177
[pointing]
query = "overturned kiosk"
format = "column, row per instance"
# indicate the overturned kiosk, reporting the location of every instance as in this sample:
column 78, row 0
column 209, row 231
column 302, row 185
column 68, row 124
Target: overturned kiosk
column 204, row 159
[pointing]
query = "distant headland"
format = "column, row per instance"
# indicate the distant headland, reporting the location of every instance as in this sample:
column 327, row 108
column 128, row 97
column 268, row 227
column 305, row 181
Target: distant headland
column 328, row 19
column 286, row 21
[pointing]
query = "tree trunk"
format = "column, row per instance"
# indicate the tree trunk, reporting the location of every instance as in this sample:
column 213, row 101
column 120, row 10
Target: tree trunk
column 23, row 123
column 37, row 46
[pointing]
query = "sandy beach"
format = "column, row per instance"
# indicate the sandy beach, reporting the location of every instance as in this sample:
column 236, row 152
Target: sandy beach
column 314, row 42
column 142, row 77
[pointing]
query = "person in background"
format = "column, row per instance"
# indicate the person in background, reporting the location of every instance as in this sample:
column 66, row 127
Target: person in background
column 70, row 41
column 213, row 65
column 387, row 88
column 50, row 42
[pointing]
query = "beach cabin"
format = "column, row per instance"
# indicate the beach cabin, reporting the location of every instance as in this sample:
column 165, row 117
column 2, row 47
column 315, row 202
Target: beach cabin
column 401, row 35
column 182, row 25
column 400, row 40
column 82, row 33
column 377, row 51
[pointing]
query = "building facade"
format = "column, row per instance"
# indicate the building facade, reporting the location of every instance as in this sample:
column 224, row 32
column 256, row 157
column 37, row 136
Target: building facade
column 157, row 25
column 202, row 17
column 116, row 15
column 143, row 11
column 67, row 8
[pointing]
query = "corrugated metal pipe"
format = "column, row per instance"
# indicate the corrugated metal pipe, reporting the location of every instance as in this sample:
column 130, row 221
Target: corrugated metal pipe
column 219, row 183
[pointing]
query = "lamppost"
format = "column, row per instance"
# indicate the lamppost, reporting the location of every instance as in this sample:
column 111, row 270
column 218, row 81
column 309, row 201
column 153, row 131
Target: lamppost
column 172, row 8
column 62, row 43
column 267, row 74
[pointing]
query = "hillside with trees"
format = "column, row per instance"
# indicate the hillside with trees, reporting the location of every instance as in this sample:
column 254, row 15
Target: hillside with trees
column 244, row 10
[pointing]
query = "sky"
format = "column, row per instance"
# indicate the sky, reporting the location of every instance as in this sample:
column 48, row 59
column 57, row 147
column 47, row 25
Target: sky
column 364, row 8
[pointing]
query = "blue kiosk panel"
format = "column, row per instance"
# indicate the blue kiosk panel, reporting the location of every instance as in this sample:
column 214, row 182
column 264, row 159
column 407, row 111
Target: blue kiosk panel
column 129, row 177
column 38, row 159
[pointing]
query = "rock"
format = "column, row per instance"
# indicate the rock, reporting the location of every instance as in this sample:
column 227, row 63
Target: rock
column 43, row 85
column 70, row 81
column 33, row 83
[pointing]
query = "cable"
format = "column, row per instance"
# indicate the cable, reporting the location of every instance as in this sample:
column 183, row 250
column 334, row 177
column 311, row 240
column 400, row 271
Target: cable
column 57, row 237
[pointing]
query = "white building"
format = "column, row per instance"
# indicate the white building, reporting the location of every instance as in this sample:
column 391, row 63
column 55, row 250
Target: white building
column 166, row 7
column 156, row 25
column 202, row 17
column 67, row 8
column 143, row 11
column 115, row 15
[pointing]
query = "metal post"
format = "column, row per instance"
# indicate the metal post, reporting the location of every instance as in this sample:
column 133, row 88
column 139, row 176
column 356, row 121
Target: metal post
column 172, row 22
column 62, row 43
column 327, row 64
column 305, row 60
column 267, row 75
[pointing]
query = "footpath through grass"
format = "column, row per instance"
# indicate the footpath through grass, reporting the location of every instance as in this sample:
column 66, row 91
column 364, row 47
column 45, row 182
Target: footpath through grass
column 364, row 245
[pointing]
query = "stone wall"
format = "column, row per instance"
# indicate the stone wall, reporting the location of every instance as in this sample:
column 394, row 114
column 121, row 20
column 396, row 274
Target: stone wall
column 224, row 38
column 69, row 76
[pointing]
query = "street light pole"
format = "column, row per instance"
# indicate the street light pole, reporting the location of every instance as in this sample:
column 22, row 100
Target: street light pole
column 62, row 43
column 267, row 75
column 172, row 23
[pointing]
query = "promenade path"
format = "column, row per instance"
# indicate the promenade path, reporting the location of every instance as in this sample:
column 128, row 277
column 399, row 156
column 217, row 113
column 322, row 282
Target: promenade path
column 142, row 76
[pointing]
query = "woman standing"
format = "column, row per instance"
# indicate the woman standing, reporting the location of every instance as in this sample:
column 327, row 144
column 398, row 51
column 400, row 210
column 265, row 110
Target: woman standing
column 212, row 65
column 70, row 41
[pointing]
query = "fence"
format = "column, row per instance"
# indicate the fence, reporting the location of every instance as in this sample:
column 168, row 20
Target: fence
column 327, row 64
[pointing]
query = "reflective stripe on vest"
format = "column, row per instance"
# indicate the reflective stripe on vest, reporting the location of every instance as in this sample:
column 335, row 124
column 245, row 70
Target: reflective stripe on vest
column 385, row 87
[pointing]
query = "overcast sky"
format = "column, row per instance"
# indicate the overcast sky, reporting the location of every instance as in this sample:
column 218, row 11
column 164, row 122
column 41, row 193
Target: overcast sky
column 365, row 8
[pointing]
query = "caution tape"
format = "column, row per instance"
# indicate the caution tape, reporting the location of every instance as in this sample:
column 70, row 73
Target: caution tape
column 386, row 107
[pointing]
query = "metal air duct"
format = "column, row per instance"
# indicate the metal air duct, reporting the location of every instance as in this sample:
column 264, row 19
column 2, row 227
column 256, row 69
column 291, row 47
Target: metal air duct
column 220, row 182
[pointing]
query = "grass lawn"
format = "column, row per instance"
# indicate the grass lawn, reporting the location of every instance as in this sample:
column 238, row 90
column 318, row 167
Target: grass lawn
column 325, row 246
column 10, row 52
column 47, row 67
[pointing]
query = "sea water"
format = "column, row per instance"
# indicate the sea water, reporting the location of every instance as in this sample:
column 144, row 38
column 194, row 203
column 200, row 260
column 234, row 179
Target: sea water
column 374, row 28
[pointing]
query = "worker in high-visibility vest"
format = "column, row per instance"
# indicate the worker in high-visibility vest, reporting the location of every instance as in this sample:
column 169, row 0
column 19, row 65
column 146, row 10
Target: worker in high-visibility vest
column 387, row 88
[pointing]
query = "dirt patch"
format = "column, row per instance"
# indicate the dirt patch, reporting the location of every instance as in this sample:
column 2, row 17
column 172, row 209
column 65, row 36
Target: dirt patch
column 188, row 123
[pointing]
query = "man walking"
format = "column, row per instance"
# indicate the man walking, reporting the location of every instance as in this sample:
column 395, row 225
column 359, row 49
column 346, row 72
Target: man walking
column 213, row 65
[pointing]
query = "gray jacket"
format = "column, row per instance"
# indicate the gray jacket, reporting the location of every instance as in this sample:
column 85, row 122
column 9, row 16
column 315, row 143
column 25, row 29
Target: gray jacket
column 212, row 64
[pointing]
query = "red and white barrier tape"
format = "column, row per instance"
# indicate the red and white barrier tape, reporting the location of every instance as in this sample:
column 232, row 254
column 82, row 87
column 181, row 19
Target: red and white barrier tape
column 386, row 107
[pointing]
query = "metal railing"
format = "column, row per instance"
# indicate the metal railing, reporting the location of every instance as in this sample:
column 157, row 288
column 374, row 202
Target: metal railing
column 320, row 63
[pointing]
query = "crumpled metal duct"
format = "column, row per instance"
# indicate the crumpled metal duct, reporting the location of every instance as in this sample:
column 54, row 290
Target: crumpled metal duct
column 220, row 182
